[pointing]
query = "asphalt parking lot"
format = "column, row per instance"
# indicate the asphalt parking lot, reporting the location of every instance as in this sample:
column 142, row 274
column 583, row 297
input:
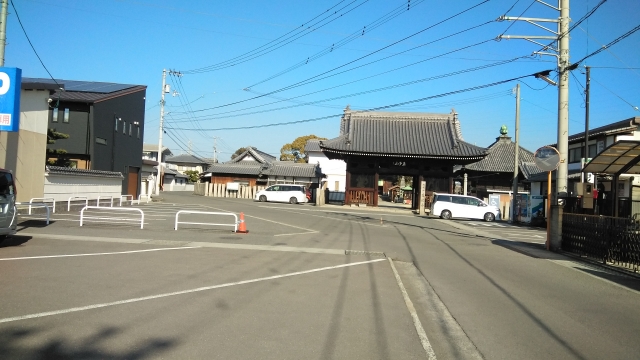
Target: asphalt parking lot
column 287, row 289
column 305, row 282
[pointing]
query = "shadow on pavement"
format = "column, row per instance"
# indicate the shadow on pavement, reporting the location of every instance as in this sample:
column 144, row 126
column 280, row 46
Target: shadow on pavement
column 14, row 240
column 17, row 343
column 33, row 224
column 620, row 279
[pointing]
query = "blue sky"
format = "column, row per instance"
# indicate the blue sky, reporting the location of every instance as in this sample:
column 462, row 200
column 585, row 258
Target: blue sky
column 133, row 41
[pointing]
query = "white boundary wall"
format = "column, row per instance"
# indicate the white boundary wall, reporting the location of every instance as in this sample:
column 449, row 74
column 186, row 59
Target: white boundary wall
column 62, row 187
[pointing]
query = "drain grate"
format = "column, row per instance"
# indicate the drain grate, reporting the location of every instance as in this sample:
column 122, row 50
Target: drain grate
column 367, row 253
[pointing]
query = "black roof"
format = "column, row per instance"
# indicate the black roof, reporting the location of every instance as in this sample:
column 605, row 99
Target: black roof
column 82, row 91
column 185, row 159
column 501, row 157
column 417, row 135
column 59, row 170
column 618, row 127
column 258, row 163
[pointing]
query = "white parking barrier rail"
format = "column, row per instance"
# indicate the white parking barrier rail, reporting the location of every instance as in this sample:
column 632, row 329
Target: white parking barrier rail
column 82, row 217
column 143, row 196
column 42, row 200
column 104, row 197
column 86, row 201
column 235, row 223
column 127, row 197
column 37, row 204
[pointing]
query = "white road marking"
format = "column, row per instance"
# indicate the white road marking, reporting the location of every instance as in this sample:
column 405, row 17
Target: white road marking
column 349, row 212
column 272, row 221
column 152, row 297
column 414, row 315
column 96, row 254
column 303, row 233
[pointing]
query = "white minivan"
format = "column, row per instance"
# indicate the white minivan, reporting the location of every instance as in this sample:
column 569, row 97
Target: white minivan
column 449, row 206
column 8, row 213
column 291, row 193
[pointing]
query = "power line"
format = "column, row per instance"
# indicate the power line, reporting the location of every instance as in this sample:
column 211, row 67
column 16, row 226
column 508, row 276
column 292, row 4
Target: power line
column 351, row 37
column 32, row 47
column 371, row 90
column 278, row 43
column 618, row 96
column 368, row 110
column 615, row 41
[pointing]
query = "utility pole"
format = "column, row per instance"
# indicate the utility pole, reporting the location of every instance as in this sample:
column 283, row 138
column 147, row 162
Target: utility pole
column 586, row 114
column 215, row 149
column 561, row 53
column 3, row 29
column 516, row 163
column 164, row 91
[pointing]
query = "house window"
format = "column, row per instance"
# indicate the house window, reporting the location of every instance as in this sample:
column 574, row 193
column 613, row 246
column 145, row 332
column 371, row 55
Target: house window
column 593, row 151
column 66, row 116
column 124, row 128
column 337, row 186
column 575, row 155
column 116, row 121
column 101, row 141
column 130, row 126
column 54, row 118
column 138, row 130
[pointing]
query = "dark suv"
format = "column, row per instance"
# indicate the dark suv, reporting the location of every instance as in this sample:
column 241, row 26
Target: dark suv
column 8, row 211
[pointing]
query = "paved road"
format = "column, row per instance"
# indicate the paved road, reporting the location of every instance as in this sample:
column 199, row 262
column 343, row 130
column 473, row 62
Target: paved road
column 474, row 295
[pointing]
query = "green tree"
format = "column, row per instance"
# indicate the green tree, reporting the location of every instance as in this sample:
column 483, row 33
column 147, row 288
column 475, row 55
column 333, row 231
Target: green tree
column 238, row 152
column 193, row 175
column 56, row 157
column 294, row 151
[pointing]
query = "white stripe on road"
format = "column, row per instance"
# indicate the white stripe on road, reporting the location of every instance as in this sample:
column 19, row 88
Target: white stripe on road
column 152, row 297
column 95, row 254
column 414, row 315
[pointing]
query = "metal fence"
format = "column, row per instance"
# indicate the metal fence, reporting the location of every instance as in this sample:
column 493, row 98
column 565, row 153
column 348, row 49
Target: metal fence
column 603, row 238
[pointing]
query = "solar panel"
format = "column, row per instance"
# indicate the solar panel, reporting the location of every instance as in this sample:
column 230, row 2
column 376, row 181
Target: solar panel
column 82, row 86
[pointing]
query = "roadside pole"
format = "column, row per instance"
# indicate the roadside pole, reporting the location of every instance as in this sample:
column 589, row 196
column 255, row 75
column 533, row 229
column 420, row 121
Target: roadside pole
column 548, row 211
column 3, row 29
column 164, row 84
column 514, row 207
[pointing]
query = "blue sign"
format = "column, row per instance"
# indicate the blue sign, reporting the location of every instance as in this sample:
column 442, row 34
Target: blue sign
column 10, row 79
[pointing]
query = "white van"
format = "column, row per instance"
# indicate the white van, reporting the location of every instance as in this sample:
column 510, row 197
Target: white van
column 291, row 193
column 8, row 213
column 449, row 206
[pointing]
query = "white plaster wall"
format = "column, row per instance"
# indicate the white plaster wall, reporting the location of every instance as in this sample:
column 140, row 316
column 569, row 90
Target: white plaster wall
column 336, row 170
column 62, row 187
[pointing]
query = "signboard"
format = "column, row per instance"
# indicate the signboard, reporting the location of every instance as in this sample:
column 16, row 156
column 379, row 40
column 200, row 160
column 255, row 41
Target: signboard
column 10, row 79
column 537, row 206
column 233, row 186
column 547, row 158
column 494, row 200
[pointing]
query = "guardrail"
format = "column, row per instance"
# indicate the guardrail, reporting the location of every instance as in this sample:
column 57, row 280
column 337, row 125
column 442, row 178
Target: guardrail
column 126, row 196
column 104, row 197
column 86, row 201
column 36, row 204
column 42, row 200
column 235, row 223
column 142, row 196
column 82, row 217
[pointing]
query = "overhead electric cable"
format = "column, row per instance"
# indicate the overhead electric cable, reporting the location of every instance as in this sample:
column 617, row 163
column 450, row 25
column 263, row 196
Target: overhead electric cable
column 279, row 42
column 367, row 110
column 615, row 41
column 33, row 47
column 441, row 76
column 351, row 37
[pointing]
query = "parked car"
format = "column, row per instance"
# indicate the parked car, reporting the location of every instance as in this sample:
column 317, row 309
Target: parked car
column 291, row 193
column 8, row 213
column 449, row 206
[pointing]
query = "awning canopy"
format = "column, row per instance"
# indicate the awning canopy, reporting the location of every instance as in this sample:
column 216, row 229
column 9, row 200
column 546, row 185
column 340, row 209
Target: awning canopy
column 622, row 157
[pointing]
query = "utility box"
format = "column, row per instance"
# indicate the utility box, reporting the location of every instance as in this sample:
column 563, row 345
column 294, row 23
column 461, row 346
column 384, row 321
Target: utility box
column 585, row 192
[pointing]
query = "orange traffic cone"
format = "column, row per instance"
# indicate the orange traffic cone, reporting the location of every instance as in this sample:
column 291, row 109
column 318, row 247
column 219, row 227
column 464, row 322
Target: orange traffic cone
column 242, row 227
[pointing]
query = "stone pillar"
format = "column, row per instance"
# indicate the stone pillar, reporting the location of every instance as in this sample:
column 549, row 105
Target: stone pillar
column 555, row 219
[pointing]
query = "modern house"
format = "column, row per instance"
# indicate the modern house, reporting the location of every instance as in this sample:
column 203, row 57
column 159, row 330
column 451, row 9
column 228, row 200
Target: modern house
column 104, row 123
column 334, row 169
column 600, row 138
column 187, row 162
